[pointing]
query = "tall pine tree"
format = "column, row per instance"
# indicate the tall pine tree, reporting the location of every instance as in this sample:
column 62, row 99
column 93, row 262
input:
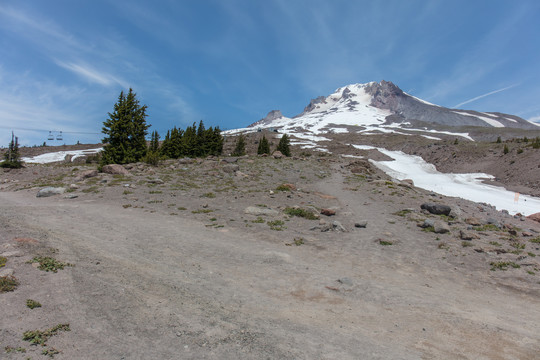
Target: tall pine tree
column 264, row 146
column 284, row 145
column 240, row 147
column 12, row 157
column 125, row 131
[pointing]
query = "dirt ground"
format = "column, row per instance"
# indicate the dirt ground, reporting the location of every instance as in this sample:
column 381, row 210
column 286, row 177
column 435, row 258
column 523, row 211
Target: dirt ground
column 187, row 261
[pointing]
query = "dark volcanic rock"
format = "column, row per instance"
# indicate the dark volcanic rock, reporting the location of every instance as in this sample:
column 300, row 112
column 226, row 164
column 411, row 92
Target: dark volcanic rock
column 437, row 209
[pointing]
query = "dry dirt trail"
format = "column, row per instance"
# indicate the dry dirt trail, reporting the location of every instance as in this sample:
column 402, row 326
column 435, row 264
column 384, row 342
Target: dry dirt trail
column 145, row 286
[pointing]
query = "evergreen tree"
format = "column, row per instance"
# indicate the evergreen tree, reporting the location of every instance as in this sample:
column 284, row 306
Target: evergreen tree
column 505, row 149
column 12, row 158
column 284, row 145
column 264, row 146
column 154, row 142
column 125, row 131
column 240, row 147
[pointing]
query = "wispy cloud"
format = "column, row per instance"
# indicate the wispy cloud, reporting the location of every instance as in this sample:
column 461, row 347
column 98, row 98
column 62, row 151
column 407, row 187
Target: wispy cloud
column 485, row 95
column 92, row 74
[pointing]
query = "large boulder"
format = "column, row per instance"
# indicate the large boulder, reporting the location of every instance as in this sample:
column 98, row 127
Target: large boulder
column 115, row 169
column 50, row 191
column 534, row 217
column 86, row 174
column 437, row 209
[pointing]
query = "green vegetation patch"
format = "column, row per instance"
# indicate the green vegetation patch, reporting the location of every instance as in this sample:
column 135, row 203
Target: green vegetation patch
column 276, row 225
column 8, row 283
column 385, row 242
column 32, row 304
column 201, row 211
column 49, row 264
column 283, row 187
column 10, row 349
column 38, row 337
column 306, row 214
column 486, row 227
column 536, row 240
column 3, row 261
column 503, row 265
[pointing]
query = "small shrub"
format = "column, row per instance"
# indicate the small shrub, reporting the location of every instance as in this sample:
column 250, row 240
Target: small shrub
column 10, row 349
column 494, row 243
column 466, row 244
column 443, row 245
column 403, row 212
column 202, row 211
column 385, row 242
column 306, row 214
column 536, row 240
column 38, row 337
column 127, row 192
column 298, row 241
column 276, row 225
column 50, row 352
column 531, row 254
column 49, row 264
column 283, row 187
column 181, row 208
column 125, row 206
column 259, row 220
column 8, row 283
column 520, row 151
column 3, row 261
column 32, row 304
column 209, row 195
column 505, row 149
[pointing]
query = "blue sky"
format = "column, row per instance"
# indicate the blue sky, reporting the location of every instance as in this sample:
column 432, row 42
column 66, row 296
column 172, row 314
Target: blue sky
column 64, row 63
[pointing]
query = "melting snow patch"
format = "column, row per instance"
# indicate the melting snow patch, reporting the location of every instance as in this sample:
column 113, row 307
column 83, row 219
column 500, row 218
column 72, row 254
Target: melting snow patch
column 466, row 186
column 59, row 156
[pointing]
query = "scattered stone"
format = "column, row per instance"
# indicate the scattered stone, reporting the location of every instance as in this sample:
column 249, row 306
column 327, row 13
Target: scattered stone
column 427, row 223
column 345, row 281
column 437, row 209
column 230, row 168
column 455, row 212
column 115, row 169
column 534, row 217
column 336, row 225
column 441, row 227
column 277, row 154
column 407, row 182
column 6, row 272
column 361, row 224
column 50, row 191
column 86, row 175
column 185, row 161
column 258, row 211
column 156, row 181
column 465, row 235
column 230, row 160
column 71, row 196
column 473, row 221
column 526, row 234
column 14, row 253
column 74, row 186
column 492, row 221
column 241, row 174
column 328, row 212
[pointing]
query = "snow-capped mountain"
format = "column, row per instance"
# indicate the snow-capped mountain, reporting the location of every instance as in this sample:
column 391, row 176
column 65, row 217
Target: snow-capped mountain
column 382, row 107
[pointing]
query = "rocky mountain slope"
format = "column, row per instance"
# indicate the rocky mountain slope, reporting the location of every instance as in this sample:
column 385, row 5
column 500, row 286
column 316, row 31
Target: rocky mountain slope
column 384, row 108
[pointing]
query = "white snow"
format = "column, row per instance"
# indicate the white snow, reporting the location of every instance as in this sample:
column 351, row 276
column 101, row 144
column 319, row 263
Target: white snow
column 466, row 186
column 422, row 101
column 490, row 121
column 513, row 120
column 59, row 156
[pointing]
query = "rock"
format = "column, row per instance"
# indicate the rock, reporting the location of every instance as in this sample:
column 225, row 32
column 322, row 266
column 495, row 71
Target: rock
column 336, row 225
column 492, row 221
column 277, row 154
column 71, row 196
column 6, row 272
column 241, row 174
column 74, row 186
column 534, row 217
column 437, row 209
column 14, row 253
column 440, row 227
column 115, row 169
column 328, row 212
column 156, row 181
column 86, row 175
column 50, row 191
column 230, row 168
column 526, row 234
column 230, row 160
column 361, row 224
column 407, row 182
column 473, row 221
column 185, row 161
column 455, row 212
column 258, row 211
column 465, row 235
column 345, row 281
column 427, row 223
column 81, row 159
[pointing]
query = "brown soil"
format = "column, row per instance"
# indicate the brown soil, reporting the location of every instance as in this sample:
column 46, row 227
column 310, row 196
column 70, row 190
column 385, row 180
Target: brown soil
column 174, row 268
